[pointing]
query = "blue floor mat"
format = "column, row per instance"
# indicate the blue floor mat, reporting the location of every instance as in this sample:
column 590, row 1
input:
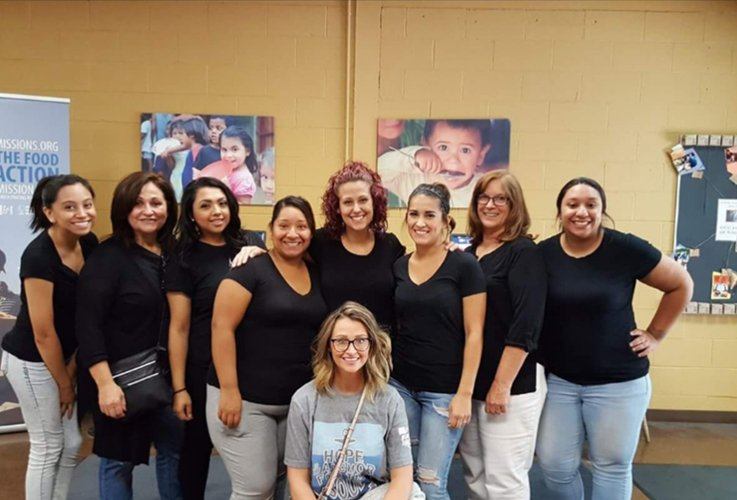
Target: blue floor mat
column 674, row 482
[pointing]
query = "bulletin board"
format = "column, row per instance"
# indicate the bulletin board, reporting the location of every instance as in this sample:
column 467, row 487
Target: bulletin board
column 706, row 220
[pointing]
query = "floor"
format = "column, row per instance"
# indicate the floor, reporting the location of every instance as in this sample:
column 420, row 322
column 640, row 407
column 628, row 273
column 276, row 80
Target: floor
column 671, row 443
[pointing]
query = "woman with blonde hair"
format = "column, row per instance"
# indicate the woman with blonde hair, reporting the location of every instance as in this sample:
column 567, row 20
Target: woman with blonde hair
column 347, row 433
column 498, row 444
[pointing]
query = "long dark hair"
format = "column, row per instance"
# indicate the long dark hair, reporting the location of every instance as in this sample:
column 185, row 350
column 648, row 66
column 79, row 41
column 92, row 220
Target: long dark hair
column 247, row 141
column 187, row 231
column 46, row 193
column 124, row 199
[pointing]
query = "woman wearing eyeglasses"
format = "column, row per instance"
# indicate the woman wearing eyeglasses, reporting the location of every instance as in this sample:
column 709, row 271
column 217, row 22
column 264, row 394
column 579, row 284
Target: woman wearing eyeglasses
column 499, row 442
column 351, row 365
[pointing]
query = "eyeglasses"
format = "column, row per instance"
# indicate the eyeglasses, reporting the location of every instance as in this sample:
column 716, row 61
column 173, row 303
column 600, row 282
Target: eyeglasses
column 361, row 344
column 499, row 200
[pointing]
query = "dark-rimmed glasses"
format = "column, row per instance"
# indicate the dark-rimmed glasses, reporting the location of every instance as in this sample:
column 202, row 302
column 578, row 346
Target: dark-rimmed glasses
column 361, row 344
column 499, row 200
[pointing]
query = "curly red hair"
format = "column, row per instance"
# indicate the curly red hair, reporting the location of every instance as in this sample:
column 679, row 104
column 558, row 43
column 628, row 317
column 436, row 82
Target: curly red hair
column 353, row 171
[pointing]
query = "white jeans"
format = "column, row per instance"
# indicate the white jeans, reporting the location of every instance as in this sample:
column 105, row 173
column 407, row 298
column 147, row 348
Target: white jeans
column 54, row 441
column 497, row 450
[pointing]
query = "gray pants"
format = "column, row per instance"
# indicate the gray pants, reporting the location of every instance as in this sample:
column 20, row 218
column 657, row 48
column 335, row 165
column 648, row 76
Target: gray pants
column 253, row 453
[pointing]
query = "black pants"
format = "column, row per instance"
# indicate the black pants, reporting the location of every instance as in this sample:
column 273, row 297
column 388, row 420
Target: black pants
column 194, row 461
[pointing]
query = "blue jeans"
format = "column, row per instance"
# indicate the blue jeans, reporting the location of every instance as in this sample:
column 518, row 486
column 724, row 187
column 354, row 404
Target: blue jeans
column 116, row 477
column 433, row 442
column 608, row 416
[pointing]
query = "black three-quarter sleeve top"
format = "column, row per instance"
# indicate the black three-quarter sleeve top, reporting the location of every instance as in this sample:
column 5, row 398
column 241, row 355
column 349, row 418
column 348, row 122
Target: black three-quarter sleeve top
column 41, row 260
column 516, row 286
column 366, row 279
column 120, row 303
column 588, row 314
column 197, row 275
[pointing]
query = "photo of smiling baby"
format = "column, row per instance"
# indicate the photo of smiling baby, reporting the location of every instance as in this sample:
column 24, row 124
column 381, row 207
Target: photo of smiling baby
column 454, row 152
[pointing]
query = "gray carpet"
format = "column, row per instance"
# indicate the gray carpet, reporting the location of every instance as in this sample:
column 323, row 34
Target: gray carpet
column 84, row 484
column 675, row 482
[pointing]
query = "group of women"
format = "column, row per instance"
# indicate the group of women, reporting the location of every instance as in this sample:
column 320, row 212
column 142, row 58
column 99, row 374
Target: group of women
column 422, row 354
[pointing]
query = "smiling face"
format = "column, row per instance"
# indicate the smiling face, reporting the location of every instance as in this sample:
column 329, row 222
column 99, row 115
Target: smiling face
column 290, row 233
column 460, row 150
column 149, row 213
column 425, row 220
column 210, row 211
column 233, row 151
column 581, row 212
column 355, row 205
column 493, row 207
column 73, row 210
column 353, row 358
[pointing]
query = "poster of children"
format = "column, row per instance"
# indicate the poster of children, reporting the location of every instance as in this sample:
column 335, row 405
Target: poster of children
column 239, row 150
column 454, row 152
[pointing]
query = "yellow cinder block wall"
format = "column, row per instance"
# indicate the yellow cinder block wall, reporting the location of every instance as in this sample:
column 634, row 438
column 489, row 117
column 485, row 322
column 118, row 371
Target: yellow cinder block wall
column 596, row 88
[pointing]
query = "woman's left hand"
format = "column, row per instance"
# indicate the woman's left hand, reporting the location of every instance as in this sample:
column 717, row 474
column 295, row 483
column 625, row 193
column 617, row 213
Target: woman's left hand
column 644, row 343
column 245, row 254
column 497, row 399
column 459, row 411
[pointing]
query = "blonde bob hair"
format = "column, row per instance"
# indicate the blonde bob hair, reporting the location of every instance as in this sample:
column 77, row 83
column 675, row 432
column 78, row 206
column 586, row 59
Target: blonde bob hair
column 518, row 220
column 379, row 364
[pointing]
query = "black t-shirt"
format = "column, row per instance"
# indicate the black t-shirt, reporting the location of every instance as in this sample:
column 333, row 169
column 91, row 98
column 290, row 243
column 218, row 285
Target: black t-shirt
column 428, row 346
column 588, row 314
column 121, row 307
column 366, row 279
column 207, row 155
column 41, row 260
column 516, row 285
column 198, row 276
column 273, row 339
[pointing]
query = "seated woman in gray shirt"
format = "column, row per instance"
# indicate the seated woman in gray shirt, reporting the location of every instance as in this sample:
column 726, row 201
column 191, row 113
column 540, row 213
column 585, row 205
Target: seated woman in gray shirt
column 351, row 365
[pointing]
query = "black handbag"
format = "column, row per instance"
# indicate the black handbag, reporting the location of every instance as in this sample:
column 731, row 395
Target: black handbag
column 144, row 376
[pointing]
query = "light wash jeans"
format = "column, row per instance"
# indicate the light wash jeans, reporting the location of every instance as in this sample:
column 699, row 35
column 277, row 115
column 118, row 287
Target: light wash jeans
column 497, row 450
column 608, row 416
column 433, row 442
column 55, row 441
column 116, row 477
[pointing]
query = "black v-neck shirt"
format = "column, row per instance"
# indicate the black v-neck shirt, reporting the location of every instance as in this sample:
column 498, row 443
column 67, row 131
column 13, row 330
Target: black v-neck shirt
column 197, row 275
column 516, row 286
column 366, row 279
column 274, row 337
column 428, row 346
column 41, row 260
column 588, row 314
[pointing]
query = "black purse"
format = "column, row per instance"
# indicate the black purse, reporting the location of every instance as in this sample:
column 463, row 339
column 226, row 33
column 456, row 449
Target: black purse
column 144, row 376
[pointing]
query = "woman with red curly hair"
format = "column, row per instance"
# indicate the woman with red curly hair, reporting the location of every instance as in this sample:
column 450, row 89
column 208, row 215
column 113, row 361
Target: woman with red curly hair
column 353, row 251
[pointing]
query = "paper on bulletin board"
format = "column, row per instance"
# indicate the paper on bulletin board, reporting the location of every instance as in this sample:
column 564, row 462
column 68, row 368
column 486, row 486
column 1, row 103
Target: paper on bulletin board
column 726, row 220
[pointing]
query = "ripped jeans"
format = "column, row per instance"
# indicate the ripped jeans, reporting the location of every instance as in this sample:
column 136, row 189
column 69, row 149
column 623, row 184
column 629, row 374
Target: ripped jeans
column 433, row 442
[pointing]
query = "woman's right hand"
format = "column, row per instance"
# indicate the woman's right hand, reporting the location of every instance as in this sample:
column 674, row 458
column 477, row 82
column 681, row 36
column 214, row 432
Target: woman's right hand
column 229, row 408
column 183, row 406
column 246, row 253
column 111, row 400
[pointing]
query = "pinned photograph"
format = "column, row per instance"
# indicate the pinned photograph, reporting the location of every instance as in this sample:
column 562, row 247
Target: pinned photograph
column 726, row 229
column 720, row 286
column 682, row 254
column 238, row 150
column 453, row 152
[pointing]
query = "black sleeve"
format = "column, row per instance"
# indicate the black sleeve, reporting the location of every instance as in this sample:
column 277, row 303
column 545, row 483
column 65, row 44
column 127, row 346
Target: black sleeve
column 472, row 280
column 36, row 263
column 528, row 286
column 642, row 256
column 247, row 275
column 177, row 277
column 253, row 239
column 96, row 293
column 315, row 250
column 397, row 248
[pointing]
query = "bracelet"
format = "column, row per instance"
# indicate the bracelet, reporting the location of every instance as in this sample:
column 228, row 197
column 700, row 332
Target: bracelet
column 180, row 390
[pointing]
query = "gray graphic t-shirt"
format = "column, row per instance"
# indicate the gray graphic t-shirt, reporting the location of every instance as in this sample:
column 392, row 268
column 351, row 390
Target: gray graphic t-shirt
column 316, row 427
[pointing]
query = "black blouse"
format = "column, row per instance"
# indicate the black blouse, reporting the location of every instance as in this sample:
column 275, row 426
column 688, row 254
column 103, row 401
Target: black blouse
column 41, row 260
column 516, row 286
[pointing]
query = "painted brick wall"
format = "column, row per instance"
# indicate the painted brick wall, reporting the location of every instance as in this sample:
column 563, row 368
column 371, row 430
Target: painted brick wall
column 595, row 88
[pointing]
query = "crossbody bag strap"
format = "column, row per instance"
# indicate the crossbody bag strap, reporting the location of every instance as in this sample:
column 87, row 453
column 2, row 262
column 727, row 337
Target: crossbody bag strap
column 341, row 454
